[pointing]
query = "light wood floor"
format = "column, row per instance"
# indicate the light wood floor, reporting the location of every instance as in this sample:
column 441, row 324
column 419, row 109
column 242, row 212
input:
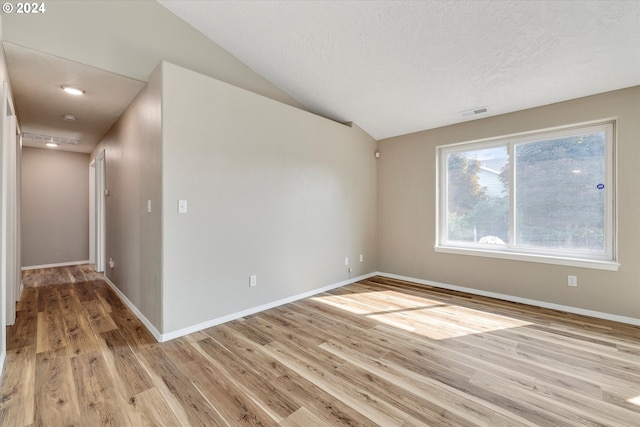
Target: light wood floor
column 378, row 352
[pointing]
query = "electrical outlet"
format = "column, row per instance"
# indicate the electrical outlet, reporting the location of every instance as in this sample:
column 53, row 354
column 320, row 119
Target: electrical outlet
column 572, row 280
column 253, row 281
column 361, row 258
column 346, row 261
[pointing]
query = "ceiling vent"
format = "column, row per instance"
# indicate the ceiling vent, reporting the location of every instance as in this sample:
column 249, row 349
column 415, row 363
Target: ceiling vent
column 45, row 139
column 474, row 111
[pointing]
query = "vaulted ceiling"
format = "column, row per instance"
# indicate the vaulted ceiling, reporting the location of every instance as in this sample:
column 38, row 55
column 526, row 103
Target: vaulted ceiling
column 396, row 67
column 392, row 67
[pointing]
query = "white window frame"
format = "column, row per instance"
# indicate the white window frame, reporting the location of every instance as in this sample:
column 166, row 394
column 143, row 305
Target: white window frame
column 603, row 261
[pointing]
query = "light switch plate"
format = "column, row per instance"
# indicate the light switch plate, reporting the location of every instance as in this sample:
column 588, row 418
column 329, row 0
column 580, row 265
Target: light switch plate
column 182, row 206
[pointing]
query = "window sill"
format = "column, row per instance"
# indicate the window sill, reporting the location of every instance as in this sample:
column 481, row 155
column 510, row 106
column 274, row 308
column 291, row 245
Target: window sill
column 545, row 259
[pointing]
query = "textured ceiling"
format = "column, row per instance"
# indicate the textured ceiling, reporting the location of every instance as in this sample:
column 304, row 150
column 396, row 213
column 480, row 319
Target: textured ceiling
column 396, row 67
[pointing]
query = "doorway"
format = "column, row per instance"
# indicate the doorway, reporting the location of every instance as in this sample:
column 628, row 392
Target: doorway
column 98, row 222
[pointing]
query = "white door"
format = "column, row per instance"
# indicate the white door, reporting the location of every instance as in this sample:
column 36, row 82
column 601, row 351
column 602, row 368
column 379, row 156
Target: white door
column 100, row 212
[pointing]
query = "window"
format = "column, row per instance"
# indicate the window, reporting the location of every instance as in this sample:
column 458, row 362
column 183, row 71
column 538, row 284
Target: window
column 544, row 196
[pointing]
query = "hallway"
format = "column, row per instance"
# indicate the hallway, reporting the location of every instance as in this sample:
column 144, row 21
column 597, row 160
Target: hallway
column 68, row 362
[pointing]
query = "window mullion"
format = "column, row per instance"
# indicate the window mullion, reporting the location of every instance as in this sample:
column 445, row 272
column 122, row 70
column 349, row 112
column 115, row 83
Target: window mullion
column 512, row 194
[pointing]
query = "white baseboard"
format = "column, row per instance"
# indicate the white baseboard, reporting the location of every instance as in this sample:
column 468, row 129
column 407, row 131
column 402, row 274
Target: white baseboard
column 536, row 303
column 60, row 264
column 156, row 334
column 234, row 316
column 3, row 356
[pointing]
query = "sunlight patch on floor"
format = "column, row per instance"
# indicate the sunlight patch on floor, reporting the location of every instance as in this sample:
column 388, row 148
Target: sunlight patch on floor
column 634, row 400
column 435, row 319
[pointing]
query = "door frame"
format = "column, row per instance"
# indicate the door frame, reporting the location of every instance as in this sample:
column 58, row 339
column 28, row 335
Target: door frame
column 100, row 220
column 10, row 263
column 92, row 212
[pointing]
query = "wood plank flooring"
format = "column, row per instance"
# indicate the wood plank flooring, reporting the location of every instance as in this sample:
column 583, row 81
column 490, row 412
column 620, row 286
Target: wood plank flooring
column 377, row 352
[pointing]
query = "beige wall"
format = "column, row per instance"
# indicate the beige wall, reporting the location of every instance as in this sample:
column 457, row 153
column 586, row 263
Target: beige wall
column 54, row 207
column 130, row 38
column 406, row 211
column 272, row 191
column 133, row 156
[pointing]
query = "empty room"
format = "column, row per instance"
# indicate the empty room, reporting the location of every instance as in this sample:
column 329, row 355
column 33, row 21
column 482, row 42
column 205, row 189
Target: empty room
column 320, row 213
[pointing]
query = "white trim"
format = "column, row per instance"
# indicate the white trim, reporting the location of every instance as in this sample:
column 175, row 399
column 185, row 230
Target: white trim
column 92, row 211
column 60, row 264
column 234, row 316
column 607, row 260
column 9, row 261
column 156, row 334
column 534, row 133
column 101, row 218
column 530, row 257
column 3, row 357
column 536, row 303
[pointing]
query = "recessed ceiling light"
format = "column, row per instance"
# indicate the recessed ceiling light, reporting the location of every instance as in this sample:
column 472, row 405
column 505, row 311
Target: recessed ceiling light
column 51, row 144
column 69, row 118
column 73, row 90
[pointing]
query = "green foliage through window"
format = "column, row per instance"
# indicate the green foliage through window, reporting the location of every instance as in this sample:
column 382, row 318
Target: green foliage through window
column 544, row 193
